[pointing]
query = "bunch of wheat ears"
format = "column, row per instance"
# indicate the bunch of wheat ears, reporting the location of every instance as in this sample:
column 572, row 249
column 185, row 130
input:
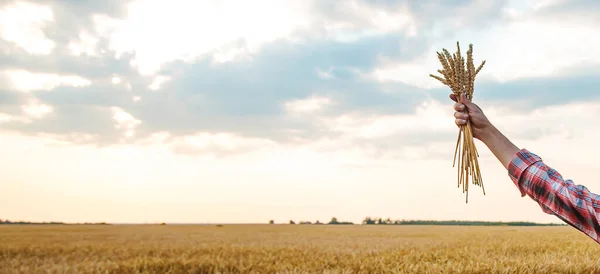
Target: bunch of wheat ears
column 461, row 79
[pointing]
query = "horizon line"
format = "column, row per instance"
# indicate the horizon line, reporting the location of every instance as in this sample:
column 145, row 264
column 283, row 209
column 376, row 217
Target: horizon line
column 403, row 221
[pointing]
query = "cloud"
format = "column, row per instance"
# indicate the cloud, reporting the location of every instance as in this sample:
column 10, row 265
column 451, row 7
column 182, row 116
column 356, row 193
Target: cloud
column 529, row 44
column 572, row 118
column 235, row 97
column 22, row 22
column 527, row 95
column 125, row 121
column 244, row 28
column 74, row 17
column 158, row 82
column 308, row 105
column 359, row 68
column 219, row 144
column 25, row 81
column 429, row 116
column 187, row 29
column 36, row 109
column 7, row 118
column 86, row 44
column 564, row 7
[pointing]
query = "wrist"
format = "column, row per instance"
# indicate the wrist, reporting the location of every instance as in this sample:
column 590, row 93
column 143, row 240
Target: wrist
column 488, row 134
column 500, row 146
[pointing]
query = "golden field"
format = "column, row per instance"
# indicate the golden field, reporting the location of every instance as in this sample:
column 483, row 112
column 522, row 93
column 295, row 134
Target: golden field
column 294, row 249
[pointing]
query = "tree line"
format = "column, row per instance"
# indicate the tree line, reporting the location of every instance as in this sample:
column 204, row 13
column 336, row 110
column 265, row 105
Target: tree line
column 389, row 221
column 9, row 222
column 334, row 221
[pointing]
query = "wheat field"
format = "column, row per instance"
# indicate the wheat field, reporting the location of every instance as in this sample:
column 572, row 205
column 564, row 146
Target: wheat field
column 294, row 249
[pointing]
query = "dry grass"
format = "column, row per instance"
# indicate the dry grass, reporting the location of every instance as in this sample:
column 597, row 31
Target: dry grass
column 296, row 249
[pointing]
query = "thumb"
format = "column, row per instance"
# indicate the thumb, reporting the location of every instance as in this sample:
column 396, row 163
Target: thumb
column 468, row 104
column 465, row 101
column 453, row 97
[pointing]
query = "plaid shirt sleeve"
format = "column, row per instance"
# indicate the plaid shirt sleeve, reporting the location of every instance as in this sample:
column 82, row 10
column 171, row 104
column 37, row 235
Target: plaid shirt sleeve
column 574, row 204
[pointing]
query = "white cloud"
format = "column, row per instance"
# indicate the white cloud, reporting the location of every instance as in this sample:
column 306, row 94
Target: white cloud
column 324, row 74
column 125, row 121
column 218, row 142
column 22, row 22
column 430, row 116
column 230, row 30
column 36, row 109
column 86, row 44
column 26, row 81
column 538, row 48
column 364, row 20
column 573, row 119
column 223, row 55
column 330, row 72
column 6, row 118
column 415, row 72
column 189, row 29
column 540, row 4
column 158, row 82
column 116, row 80
column 307, row 105
column 528, row 46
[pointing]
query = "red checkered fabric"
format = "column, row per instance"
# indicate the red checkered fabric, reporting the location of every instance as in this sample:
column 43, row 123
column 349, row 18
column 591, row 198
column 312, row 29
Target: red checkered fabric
column 574, row 204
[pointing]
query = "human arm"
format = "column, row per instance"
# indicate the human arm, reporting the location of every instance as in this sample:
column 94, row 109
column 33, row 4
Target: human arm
column 574, row 204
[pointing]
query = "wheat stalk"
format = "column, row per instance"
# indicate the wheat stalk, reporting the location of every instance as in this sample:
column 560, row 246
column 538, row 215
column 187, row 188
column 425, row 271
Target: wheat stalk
column 461, row 80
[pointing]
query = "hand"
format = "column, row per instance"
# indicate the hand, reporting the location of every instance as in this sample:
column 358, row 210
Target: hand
column 479, row 123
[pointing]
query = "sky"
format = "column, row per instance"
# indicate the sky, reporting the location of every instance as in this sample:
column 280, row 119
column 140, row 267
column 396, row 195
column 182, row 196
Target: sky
column 249, row 111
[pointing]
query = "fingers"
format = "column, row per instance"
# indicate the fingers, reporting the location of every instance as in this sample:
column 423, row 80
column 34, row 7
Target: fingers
column 461, row 115
column 460, row 122
column 461, row 118
column 463, row 103
column 459, row 107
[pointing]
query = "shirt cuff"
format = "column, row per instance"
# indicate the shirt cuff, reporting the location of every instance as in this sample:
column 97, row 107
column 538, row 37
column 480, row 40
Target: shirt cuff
column 522, row 160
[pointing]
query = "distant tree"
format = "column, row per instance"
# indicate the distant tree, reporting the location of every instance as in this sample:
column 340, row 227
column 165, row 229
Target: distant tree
column 271, row 222
column 292, row 222
column 379, row 221
column 318, row 223
column 368, row 221
column 305, row 223
column 334, row 221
